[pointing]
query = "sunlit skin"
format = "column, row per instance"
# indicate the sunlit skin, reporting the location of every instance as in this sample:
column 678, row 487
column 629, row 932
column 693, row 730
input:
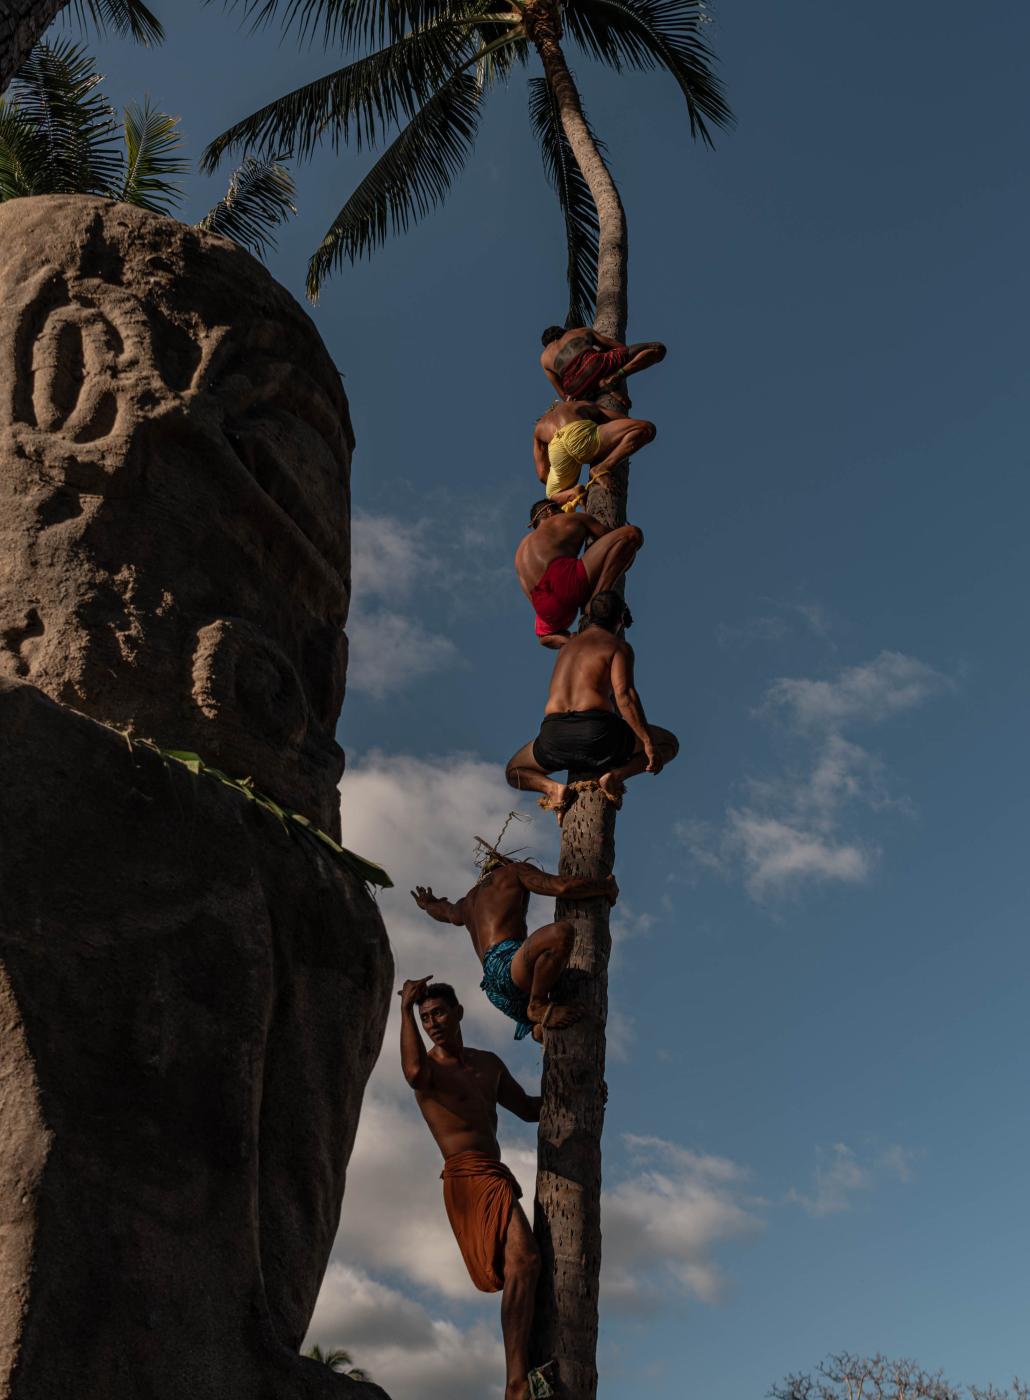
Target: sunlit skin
column 561, row 352
column 557, row 535
column 458, row 1089
column 620, row 437
column 494, row 910
column 594, row 671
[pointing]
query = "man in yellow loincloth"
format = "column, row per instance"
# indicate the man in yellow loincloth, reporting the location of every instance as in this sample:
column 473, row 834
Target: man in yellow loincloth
column 458, row 1090
column 574, row 435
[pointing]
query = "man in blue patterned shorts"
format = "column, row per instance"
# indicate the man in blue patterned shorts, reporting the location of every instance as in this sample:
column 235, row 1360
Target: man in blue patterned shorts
column 519, row 972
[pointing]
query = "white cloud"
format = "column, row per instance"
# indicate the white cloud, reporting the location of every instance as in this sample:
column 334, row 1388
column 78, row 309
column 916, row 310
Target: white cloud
column 406, row 575
column 841, row 1174
column 796, row 829
column 663, row 1222
column 868, row 694
column 411, row 1353
column 389, row 651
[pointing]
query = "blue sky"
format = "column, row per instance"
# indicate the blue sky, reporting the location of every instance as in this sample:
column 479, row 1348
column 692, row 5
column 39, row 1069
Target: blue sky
column 817, row 1132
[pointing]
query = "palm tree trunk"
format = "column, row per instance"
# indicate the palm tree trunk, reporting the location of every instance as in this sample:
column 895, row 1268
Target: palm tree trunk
column 21, row 24
column 568, row 1192
column 543, row 28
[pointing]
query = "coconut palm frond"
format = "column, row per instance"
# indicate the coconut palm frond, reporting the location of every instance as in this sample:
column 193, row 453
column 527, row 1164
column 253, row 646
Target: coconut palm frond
column 364, row 99
column 56, row 91
column 259, row 197
column 577, row 206
column 343, row 22
column 23, row 152
column 128, row 17
column 656, row 34
column 152, row 139
column 409, row 178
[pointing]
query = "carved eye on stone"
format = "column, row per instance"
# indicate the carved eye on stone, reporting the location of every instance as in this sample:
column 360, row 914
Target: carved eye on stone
column 241, row 678
column 86, row 351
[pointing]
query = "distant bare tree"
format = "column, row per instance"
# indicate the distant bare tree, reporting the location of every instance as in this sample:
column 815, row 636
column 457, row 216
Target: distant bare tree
column 846, row 1377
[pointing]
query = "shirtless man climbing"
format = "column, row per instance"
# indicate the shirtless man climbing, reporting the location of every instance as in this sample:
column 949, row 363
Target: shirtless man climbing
column 583, row 730
column 458, row 1090
column 553, row 576
column 519, row 973
column 573, row 434
column 581, row 364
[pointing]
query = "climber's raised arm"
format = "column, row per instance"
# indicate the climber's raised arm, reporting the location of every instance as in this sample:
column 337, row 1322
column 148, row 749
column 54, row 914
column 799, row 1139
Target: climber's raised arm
column 414, row 1060
column 442, row 910
column 566, row 886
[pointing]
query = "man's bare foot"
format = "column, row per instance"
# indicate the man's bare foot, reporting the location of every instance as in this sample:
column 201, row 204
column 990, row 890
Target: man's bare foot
column 554, row 640
column 613, row 788
column 553, row 1016
column 558, row 801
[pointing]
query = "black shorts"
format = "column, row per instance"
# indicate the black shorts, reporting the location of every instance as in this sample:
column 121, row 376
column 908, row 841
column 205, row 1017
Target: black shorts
column 590, row 742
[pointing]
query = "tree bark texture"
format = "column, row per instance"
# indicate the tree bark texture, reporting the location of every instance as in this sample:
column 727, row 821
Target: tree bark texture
column 21, row 24
column 543, row 27
column 568, row 1200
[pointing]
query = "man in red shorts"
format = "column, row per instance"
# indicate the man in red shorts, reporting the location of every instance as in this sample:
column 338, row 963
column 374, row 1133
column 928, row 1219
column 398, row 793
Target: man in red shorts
column 581, row 364
column 553, row 576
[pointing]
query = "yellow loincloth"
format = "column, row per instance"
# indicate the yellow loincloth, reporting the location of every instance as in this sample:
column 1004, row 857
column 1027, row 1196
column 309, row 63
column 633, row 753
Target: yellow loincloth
column 571, row 447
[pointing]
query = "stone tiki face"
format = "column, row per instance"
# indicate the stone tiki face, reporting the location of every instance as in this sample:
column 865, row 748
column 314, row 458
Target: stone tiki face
column 174, row 494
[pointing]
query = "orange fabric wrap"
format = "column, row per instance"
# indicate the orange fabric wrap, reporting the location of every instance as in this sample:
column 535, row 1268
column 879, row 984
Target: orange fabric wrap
column 480, row 1194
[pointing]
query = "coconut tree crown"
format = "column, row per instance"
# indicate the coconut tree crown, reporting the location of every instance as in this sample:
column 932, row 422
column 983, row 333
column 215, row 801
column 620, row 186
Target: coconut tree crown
column 424, row 84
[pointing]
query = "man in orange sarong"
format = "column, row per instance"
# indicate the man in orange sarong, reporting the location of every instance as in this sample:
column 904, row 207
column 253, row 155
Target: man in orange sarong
column 458, row 1090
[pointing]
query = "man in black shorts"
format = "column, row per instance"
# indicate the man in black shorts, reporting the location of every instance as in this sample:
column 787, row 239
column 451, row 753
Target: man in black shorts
column 583, row 732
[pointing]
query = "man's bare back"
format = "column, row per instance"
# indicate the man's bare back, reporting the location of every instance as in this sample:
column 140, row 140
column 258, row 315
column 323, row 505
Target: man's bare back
column 563, row 351
column 582, row 676
column 557, row 536
column 562, row 414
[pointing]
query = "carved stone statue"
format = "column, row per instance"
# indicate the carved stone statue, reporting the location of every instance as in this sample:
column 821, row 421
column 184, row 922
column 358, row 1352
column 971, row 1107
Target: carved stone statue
column 192, row 993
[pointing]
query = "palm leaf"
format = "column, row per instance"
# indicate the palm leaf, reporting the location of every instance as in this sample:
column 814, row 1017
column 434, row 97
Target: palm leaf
column 652, row 34
column 128, row 17
column 577, row 205
column 23, row 154
column 56, row 91
column 365, row 98
column 259, row 197
column 344, row 22
column 411, row 177
column 151, row 140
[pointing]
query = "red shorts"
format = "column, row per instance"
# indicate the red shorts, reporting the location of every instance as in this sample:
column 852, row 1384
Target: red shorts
column 559, row 595
column 581, row 378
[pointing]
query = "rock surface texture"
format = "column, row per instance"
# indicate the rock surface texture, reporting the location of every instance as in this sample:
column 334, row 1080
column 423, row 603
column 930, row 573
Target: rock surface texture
column 192, row 996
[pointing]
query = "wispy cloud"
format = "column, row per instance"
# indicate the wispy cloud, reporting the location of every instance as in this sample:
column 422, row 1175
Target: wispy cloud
column 401, row 1344
column 779, row 621
column 795, row 828
column 664, row 1221
column 841, row 1174
column 407, row 577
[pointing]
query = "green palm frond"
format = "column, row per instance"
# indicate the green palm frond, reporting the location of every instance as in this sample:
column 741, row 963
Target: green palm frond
column 363, row 99
column 128, row 17
column 344, row 22
column 152, row 139
column 652, row 34
column 577, row 206
column 56, row 91
column 23, row 152
column 409, row 178
column 259, row 197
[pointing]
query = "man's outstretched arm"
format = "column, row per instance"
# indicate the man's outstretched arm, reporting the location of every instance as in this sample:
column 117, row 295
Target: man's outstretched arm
column 565, row 886
column 442, row 910
column 414, row 1060
column 512, row 1096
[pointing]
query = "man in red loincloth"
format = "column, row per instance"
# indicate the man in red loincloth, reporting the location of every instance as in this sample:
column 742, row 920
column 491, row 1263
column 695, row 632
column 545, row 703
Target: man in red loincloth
column 581, row 364
column 553, row 576
column 458, row 1090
